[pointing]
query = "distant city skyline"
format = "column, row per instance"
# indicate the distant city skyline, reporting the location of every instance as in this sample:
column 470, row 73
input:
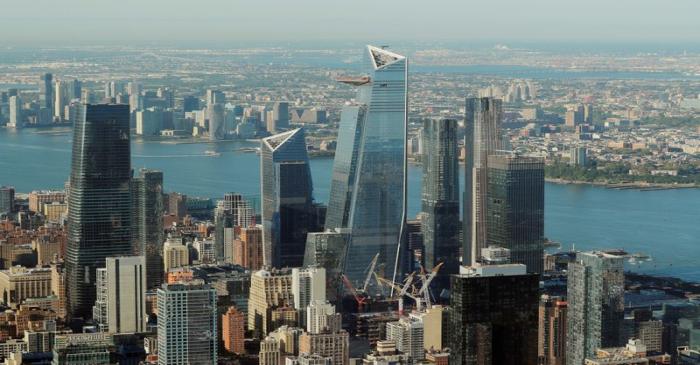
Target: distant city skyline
column 226, row 21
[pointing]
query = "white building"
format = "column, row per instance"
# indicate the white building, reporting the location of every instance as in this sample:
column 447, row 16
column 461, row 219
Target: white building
column 121, row 295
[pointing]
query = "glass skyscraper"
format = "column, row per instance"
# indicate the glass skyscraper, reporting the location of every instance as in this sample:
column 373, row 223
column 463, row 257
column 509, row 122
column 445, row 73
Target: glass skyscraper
column 482, row 123
column 516, row 208
column 287, row 198
column 368, row 187
column 99, row 204
column 440, row 198
column 596, row 307
column 147, row 193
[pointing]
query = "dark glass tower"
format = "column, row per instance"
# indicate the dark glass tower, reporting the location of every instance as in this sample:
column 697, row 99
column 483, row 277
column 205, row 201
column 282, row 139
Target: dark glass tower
column 99, row 218
column 287, row 198
column 147, row 193
column 515, row 206
column 46, row 93
column 494, row 316
column 440, row 198
column 482, row 123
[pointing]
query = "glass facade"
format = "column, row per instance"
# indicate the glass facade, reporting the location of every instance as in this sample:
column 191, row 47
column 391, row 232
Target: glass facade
column 596, row 308
column 369, row 173
column 147, row 192
column 287, row 199
column 99, row 204
column 482, row 124
column 440, row 199
column 515, row 207
column 494, row 319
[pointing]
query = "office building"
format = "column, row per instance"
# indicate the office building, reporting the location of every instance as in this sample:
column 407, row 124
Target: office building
column 551, row 344
column 148, row 210
column 217, row 126
column 368, row 184
column 120, row 306
column 407, row 334
column 515, row 206
column 82, row 348
column 46, row 91
column 482, row 138
column 280, row 115
column 287, row 200
column 99, row 205
column 268, row 290
column 149, row 122
column 7, row 199
column 270, row 353
column 440, row 224
column 327, row 250
column 19, row 283
column 233, row 330
column 190, row 103
column 493, row 319
column 187, row 324
column 595, row 295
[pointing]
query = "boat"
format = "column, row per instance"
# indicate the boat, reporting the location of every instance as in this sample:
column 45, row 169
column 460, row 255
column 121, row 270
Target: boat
column 212, row 153
column 249, row 149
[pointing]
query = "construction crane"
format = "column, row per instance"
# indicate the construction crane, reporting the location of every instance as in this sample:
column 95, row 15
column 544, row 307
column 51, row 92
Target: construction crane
column 424, row 292
column 401, row 290
column 370, row 272
column 361, row 300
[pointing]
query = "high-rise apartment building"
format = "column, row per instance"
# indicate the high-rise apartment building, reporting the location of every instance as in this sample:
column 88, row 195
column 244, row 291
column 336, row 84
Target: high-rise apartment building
column 407, row 333
column 551, row 344
column 515, row 207
column 493, row 319
column 308, row 285
column 268, row 290
column 280, row 115
column 321, row 317
column 175, row 254
column 334, row 345
column 16, row 112
column 99, row 205
column 120, row 306
column 270, row 353
column 148, row 210
column 187, row 324
column 287, row 198
column 482, row 138
column 440, row 224
column 233, row 330
column 248, row 248
column 368, row 186
column 595, row 295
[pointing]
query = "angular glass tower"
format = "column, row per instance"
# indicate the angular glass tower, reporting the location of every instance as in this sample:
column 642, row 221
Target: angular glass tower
column 368, row 187
column 287, row 198
column 99, row 205
column 482, row 124
column 440, row 198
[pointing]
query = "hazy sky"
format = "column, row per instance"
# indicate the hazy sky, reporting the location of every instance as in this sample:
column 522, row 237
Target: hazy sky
column 65, row 22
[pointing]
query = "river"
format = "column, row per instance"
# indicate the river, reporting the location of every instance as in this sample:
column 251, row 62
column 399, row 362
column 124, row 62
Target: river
column 664, row 224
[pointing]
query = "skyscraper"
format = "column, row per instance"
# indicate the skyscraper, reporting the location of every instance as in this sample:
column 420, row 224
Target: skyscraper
column 7, row 199
column 99, row 218
column 233, row 330
column 407, row 333
column 121, row 301
column 595, row 295
column 280, row 115
column 515, row 206
column 482, row 138
column 368, row 187
column 147, row 194
column 46, row 91
column 16, row 112
column 287, row 200
column 187, row 324
column 494, row 316
column 551, row 346
column 440, row 198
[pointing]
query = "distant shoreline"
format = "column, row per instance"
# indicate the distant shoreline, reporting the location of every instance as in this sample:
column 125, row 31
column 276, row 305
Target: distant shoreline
column 637, row 185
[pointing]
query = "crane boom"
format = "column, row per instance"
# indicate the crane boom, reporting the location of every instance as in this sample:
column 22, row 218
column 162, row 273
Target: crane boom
column 372, row 265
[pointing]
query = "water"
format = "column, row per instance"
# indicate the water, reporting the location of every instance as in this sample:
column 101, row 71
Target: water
column 664, row 224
